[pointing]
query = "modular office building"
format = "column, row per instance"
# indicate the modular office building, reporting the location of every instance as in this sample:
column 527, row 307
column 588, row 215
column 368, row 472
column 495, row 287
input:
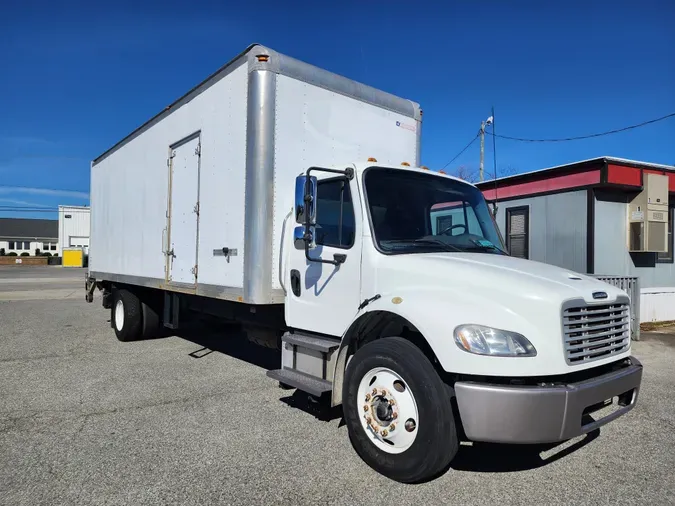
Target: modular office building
column 605, row 216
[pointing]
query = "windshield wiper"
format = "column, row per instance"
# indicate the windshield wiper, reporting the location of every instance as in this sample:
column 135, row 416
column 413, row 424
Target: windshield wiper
column 445, row 245
column 484, row 247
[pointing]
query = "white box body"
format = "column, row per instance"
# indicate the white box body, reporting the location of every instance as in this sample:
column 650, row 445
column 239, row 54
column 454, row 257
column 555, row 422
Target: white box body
column 217, row 169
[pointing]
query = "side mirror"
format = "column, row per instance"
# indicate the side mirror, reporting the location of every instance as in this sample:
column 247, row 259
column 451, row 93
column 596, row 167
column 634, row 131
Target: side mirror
column 302, row 238
column 305, row 199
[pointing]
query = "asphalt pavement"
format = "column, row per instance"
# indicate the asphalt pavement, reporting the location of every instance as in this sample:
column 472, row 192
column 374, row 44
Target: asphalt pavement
column 85, row 419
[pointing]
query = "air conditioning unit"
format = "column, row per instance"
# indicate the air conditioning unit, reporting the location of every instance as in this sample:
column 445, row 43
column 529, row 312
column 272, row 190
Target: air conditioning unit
column 648, row 216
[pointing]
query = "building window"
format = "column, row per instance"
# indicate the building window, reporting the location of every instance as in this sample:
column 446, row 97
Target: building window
column 335, row 214
column 667, row 257
column 11, row 245
column 52, row 247
column 26, row 245
column 518, row 231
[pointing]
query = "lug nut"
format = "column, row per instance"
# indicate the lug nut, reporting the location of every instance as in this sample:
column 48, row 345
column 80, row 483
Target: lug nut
column 374, row 391
column 392, row 401
column 384, row 392
column 367, row 397
column 369, row 420
column 376, row 428
column 394, row 415
column 384, row 433
column 392, row 427
column 365, row 408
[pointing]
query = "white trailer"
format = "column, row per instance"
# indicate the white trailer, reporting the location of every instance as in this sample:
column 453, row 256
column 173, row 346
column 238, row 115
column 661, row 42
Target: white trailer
column 386, row 286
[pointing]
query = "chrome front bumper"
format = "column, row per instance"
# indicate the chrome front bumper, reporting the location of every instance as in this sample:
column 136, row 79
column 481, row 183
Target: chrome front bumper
column 543, row 414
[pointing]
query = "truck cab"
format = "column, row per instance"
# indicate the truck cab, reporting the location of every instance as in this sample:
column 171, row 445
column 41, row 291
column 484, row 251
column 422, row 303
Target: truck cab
column 401, row 301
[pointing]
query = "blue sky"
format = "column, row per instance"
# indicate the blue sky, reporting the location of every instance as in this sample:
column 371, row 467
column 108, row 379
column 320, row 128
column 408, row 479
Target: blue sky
column 77, row 76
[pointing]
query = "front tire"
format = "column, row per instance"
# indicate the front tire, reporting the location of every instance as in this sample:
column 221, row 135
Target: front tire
column 127, row 318
column 398, row 411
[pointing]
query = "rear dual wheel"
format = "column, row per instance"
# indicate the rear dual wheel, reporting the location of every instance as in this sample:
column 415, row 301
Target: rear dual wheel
column 398, row 411
column 133, row 319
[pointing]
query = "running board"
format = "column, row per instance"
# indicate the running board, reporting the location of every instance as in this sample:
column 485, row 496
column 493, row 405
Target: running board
column 318, row 343
column 310, row 384
column 307, row 362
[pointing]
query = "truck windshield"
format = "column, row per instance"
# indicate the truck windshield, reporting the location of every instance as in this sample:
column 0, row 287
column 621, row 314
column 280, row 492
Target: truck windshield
column 414, row 213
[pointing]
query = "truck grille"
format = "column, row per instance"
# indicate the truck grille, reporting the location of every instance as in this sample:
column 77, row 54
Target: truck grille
column 595, row 332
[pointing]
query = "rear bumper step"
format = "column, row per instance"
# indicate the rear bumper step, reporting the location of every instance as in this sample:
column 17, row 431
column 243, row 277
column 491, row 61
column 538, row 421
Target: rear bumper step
column 310, row 384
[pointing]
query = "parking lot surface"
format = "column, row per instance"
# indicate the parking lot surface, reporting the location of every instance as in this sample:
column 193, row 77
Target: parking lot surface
column 85, row 419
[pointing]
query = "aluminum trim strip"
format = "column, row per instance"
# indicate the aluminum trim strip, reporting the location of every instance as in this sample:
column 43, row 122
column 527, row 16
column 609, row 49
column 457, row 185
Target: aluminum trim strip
column 296, row 69
column 259, row 188
column 211, row 291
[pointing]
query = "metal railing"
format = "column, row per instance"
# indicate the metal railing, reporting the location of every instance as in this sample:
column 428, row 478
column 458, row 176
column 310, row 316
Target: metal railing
column 631, row 285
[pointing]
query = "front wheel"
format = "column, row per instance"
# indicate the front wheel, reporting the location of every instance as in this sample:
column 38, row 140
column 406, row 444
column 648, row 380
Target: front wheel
column 398, row 411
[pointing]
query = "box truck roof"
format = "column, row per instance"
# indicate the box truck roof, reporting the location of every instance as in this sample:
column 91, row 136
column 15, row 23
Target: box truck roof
column 258, row 57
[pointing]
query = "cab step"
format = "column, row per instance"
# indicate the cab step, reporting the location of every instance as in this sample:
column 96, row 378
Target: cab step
column 305, row 382
column 307, row 362
column 318, row 343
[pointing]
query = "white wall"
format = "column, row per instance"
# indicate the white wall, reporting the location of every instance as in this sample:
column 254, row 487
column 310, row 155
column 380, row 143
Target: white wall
column 657, row 304
column 74, row 226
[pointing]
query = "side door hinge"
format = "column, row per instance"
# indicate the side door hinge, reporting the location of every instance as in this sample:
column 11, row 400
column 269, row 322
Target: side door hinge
column 195, row 271
column 198, row 149
column 171, row 156
column 195, row 209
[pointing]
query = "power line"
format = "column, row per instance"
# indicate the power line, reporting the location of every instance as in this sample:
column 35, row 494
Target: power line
column 462, row 151
column 580, row 137
column 11, row 209
column 42, row 189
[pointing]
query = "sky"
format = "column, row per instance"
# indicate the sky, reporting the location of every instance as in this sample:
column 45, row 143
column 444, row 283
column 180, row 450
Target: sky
column 76, row 77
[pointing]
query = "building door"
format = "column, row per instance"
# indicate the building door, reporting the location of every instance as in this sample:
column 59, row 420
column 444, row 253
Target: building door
column 183, row 215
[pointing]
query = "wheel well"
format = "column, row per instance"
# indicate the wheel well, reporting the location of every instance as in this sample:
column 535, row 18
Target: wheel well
column 377, row 325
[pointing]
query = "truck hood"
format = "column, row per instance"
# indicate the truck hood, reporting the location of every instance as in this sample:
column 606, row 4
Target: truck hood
column 501, row 273
column 436, row 292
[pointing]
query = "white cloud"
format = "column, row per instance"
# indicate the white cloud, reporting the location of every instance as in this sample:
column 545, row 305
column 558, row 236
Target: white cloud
column 7, row 190
column 15, row 202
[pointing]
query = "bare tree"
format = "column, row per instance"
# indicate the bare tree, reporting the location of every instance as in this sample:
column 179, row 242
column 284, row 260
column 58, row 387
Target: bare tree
column 466, row 173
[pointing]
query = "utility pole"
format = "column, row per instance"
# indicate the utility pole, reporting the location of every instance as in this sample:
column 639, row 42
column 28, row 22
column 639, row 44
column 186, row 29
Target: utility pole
column 481, row 175
column 482, row 151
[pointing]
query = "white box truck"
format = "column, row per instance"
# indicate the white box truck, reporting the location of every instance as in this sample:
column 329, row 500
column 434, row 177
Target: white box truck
column 387, row 286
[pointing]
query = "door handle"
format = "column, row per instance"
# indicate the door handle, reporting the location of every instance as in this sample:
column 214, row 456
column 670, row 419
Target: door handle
column 295, row 282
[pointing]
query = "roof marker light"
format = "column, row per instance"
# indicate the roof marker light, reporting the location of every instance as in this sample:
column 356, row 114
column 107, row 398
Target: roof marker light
column 371, row 159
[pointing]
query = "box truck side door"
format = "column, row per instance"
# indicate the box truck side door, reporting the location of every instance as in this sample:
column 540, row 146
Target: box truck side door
column 322, row 297
column 184, row 211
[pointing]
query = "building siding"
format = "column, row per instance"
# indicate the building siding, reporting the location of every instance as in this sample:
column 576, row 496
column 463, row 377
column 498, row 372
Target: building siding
column 557, row 232
column 74, row 231
column 611, row 249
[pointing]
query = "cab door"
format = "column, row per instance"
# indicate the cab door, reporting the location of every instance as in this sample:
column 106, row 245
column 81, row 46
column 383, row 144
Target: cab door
column 323, row 297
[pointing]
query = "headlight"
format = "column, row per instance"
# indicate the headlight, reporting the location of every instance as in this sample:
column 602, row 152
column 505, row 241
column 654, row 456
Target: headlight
column 494, row 342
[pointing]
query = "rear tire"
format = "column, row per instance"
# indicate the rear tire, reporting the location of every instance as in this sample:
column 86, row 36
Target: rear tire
column 421, row 402
column 127, row 318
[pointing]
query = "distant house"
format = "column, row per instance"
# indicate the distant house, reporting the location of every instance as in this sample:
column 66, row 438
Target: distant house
column 21, row 235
